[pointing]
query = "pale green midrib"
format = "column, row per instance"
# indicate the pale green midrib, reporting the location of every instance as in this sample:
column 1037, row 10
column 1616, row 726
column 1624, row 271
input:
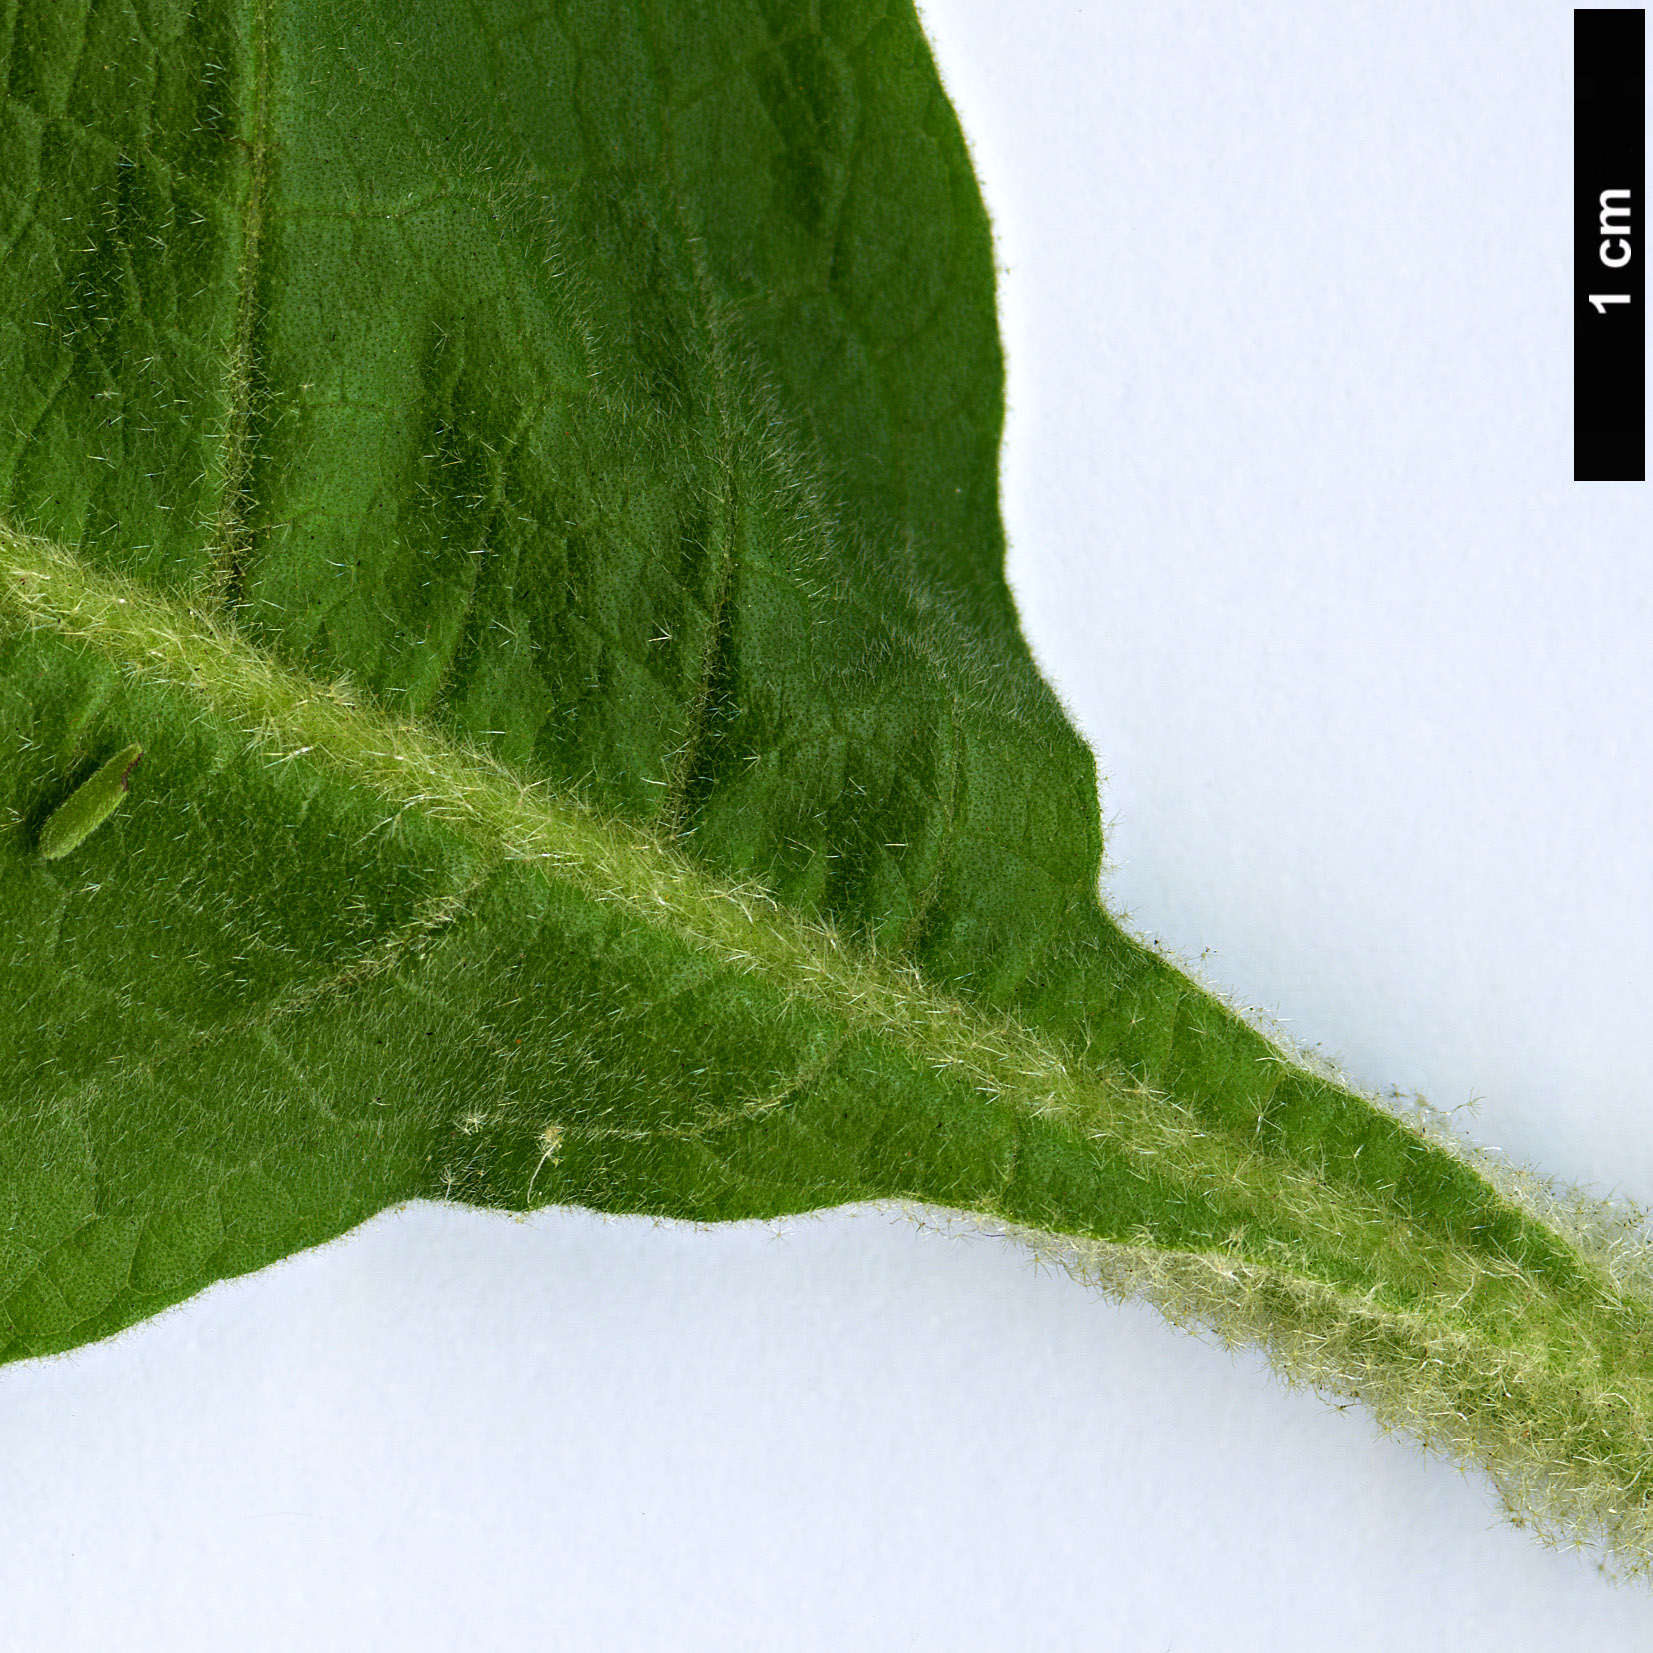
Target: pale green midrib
column 473, row 793
column 45, row 586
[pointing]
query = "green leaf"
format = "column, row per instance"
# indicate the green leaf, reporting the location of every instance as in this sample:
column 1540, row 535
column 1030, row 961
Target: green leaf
column 525, row 476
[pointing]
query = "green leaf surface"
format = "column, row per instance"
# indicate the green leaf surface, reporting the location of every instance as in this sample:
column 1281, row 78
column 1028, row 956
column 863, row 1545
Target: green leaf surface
column 525, row 475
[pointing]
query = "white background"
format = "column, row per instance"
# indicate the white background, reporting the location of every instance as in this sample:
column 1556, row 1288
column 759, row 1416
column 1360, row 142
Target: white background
column 1287, row 306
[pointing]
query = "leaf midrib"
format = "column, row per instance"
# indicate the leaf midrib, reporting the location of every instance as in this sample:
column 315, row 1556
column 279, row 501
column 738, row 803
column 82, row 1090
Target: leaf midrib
column 411, row 766
column 290, row 716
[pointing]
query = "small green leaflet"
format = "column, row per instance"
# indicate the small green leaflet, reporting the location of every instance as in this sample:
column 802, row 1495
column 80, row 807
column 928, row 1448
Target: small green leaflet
column 88, row 806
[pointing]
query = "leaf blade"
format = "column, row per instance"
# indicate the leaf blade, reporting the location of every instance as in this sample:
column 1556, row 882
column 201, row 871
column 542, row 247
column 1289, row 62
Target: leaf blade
column 622, row 395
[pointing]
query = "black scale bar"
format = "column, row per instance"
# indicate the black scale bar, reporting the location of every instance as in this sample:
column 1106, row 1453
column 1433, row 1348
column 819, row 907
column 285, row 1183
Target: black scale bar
column 1609, row 246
